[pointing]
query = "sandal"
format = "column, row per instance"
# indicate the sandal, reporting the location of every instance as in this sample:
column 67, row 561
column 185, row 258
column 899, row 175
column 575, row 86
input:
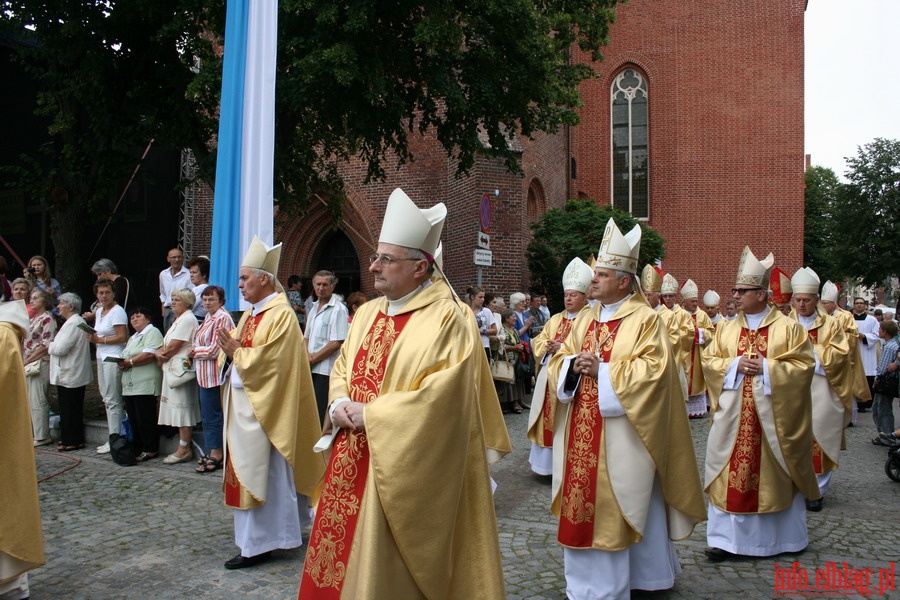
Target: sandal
column 145, row 456
column 211, row 464
column 203, row 459
column 517, row 409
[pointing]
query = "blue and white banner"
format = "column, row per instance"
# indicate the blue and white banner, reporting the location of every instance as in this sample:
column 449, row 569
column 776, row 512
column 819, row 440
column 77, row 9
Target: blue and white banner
column 244, row 201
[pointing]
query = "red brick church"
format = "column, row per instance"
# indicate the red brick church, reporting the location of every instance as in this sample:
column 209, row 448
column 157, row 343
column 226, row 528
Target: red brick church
column 695, row 124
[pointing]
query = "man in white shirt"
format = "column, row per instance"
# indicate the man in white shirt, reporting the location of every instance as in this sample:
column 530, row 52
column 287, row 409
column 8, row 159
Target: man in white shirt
column 175, row 277
column 326, row 330
column 867, row 325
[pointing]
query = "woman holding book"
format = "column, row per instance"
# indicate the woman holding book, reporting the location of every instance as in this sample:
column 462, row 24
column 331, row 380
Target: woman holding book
column 109, row 333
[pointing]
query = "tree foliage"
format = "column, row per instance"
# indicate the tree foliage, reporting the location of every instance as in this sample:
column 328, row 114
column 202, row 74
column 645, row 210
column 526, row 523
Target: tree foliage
column 853, row 229
column 355, row 79
column 576, row 229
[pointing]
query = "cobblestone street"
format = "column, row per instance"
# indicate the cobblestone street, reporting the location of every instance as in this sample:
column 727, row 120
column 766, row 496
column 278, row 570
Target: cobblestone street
column 161, row 531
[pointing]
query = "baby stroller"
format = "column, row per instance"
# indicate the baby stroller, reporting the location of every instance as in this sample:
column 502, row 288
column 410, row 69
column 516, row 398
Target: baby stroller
column 892, row 466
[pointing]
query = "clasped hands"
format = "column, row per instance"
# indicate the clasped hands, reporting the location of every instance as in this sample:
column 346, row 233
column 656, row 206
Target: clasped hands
column 586, row 363
column 750, row 366
column 349, row 415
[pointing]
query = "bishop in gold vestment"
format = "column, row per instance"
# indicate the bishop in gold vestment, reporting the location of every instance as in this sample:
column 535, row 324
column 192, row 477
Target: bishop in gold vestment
column 627, row 483
column 21, row 544
column 759, row 453
column 406, row 509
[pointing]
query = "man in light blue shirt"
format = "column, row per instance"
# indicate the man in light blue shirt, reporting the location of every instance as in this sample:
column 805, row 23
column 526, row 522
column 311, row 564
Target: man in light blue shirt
column 326, row 330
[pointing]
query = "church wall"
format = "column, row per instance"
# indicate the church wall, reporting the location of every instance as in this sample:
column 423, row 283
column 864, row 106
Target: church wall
column 726, row 129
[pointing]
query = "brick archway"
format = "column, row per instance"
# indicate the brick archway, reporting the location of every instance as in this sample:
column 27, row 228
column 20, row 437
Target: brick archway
column 304, row 237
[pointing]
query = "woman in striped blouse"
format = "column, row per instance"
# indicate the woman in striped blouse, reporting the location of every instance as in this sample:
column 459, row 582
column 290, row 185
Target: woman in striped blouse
column 205, row 353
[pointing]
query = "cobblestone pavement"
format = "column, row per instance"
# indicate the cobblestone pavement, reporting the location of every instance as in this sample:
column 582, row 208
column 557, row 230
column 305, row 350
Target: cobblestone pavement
column 161, row 531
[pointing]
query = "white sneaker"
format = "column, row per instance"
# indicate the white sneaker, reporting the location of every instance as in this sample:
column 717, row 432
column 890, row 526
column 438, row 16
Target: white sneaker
column 104, row 449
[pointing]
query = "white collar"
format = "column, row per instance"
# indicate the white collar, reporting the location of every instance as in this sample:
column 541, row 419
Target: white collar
column 395, row 306
column 258, row 306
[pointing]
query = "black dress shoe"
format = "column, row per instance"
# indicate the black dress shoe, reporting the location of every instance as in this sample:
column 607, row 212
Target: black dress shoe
column 814, row 505
column 718, row 555
column 242, row 562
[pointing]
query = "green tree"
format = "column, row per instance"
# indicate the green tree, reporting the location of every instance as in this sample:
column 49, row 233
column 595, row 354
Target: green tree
column 355, row 79
column 866, row 223
column 576, row 229
column 823, row 190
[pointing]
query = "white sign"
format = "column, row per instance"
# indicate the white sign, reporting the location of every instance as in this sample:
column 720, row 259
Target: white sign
column 482, row 257
column 484, row 240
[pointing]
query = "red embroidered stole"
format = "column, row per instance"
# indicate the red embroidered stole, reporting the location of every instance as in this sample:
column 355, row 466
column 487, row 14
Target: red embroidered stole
column 232, row 485
column 818, row 467
column 547, row 412
column 743, row 470
column 579, row 486
column 694, row 354
column 345, row 480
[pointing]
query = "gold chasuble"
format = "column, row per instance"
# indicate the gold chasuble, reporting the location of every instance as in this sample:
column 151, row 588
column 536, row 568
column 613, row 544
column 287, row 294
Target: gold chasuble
column 275, row 406
column 603, row 481
column 543, row 414
column 860, row 385
column 406, row 509
column 21, row 544
column 681, row 336
column 832, row 393
column 701, row 321
column 759, row 452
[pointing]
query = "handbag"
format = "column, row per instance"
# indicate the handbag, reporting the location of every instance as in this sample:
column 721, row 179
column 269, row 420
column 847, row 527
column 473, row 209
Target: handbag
column 33, row 368
column 180, row 373
column 888, row 384
column 501, row 370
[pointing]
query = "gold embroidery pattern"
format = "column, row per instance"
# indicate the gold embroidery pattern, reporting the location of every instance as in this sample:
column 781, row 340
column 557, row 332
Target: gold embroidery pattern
column 249, row 330
column 549, row 409
column 368, row 372
column 340, row 501
column 744, row 473
column 581, row 459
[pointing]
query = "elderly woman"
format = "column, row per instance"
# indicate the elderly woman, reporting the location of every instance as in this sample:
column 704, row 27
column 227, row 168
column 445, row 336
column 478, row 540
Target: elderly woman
column 510, row 348
column 21, row 290
column 38, row 271
column 142, row 383
column 70, row 372
column 41, row 330
column 178, row 401
column 110, row 334
column 106, row 269
column 199, row 270
column 205, row 354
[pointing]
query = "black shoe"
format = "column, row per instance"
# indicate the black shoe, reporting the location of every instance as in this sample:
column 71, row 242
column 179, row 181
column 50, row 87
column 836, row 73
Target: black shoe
column 814, row 505
column 242, row 562
column 718, row 555
column 878, row 441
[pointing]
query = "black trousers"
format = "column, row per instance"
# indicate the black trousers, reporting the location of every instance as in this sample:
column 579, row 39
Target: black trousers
column 870, row 379
column 71, row 415
column 142, row 416
column 320, row 388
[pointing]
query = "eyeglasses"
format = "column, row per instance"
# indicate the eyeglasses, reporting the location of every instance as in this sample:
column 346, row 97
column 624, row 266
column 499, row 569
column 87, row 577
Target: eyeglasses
column 859, row 303
column 176, row 258
column 741, row 292
column 385, row 261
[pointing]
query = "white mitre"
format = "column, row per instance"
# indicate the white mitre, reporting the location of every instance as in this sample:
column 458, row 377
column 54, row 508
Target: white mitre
column 689, row 290
column 15, row 313
column 619, row 252
column 711, row 298
column 805, row 281
column 577, row 276
column 830, row 292
column 407, row 225
column 754, row 272
column 261, row 256
column 669, row 285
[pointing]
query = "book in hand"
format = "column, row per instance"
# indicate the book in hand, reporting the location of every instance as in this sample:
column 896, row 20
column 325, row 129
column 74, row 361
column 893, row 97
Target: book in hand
column 86, row 328
column 114, row 359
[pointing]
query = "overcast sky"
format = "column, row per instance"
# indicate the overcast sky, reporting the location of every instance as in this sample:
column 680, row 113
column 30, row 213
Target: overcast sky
column 852, row 77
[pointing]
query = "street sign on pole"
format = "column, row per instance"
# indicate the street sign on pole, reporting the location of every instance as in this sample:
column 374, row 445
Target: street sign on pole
column 484, row 240
column 485, row 212
column 482, row 257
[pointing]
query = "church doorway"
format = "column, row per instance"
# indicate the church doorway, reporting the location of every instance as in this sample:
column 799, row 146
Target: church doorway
column 339, row 256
